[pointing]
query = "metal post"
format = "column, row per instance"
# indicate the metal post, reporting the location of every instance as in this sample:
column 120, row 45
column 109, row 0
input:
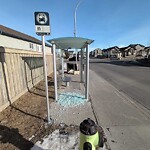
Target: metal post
column 46, row 83
column 75, row 12
column 62, row 63
column 54, row 70
column 81, row 66
column 87, row 73
column 76, row 58
column 75, row 29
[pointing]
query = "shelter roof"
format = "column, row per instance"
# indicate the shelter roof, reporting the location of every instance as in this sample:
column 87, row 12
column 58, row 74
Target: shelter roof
column 70, row 42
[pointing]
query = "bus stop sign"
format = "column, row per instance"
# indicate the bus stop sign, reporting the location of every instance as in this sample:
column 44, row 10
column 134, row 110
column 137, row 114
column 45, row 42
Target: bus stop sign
column 42, row 23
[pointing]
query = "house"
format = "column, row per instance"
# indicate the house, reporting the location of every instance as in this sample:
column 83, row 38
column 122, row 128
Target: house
column 143, row 56
column 131, row 50
column 95, row 53
column 112, row 51
column 123, row 51
column 105, row 53
column 137, row 46
column 147, row 51
column 147, row 56
column 13, row 39
column 141, row 53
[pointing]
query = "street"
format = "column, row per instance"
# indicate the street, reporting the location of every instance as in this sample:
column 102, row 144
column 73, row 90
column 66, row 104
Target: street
column 128, row 77
column 119, row 92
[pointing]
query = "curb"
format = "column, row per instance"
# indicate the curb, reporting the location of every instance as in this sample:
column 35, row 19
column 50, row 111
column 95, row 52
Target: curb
column 106, row 144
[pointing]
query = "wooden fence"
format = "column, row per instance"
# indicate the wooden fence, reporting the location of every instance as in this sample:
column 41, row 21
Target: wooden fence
column 20, row 70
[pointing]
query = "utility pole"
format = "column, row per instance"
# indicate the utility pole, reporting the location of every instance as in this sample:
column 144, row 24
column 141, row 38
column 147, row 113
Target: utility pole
column 75, row 20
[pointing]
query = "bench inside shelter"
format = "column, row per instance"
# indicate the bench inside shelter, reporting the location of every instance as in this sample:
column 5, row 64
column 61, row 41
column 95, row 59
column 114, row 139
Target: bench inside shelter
column 67, row 80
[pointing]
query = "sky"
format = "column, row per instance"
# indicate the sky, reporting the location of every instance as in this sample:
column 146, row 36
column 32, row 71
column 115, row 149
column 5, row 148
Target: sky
column 108, row 22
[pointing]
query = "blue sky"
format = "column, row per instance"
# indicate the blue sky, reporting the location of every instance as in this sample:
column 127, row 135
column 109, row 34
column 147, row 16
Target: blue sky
column 108, row 22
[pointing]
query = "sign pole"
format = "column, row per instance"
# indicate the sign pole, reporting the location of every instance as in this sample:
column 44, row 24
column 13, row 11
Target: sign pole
column 87, row 73
column 45, row 76
column 81, row 66
column 54, row 70
column 62, row 63
column 42, row 26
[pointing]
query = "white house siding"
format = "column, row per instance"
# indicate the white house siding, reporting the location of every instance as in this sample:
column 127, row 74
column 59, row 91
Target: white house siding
column 138, row 47
column 11, row 42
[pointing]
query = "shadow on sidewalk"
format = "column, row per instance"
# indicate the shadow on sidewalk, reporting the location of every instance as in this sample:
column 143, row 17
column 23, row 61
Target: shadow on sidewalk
column 42, row 95
column 26, row 113
column 12, row 136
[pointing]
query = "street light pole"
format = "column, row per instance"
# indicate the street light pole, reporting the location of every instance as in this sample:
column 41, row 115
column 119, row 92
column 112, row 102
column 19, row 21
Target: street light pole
column 75, row 28
column 75, row 12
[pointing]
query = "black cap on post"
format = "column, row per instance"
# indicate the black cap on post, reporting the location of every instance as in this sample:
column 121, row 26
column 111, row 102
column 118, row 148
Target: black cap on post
column 88, row 127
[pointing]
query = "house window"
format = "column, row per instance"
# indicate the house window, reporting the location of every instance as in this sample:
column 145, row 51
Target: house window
column 31, row 46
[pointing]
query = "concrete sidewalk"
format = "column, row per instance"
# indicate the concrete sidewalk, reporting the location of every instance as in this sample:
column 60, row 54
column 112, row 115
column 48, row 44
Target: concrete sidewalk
column 68, row 118
column 125, row 123
column 71, row 115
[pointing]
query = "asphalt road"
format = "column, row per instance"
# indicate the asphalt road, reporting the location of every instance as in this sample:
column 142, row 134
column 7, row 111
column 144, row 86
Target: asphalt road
column 128, row 77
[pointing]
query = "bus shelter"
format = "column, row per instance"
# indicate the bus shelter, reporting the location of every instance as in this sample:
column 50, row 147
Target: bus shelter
column 73, row 43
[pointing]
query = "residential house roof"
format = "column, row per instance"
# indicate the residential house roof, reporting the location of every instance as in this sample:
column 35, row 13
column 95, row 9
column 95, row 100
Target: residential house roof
column 134, row 45
column 147, row 48
column 19, row 35
column 131, row 46
column 123, row 49
column 111, row 48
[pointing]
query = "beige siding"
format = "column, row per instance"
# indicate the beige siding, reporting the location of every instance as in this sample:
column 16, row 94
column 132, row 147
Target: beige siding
column 10, row 42
column 20, row 70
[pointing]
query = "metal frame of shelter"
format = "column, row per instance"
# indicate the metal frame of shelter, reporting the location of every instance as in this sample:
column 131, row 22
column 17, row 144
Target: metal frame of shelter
column 72, row 43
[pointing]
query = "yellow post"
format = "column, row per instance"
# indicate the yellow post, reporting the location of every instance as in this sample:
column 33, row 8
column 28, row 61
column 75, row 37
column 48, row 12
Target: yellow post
column 89, row 136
